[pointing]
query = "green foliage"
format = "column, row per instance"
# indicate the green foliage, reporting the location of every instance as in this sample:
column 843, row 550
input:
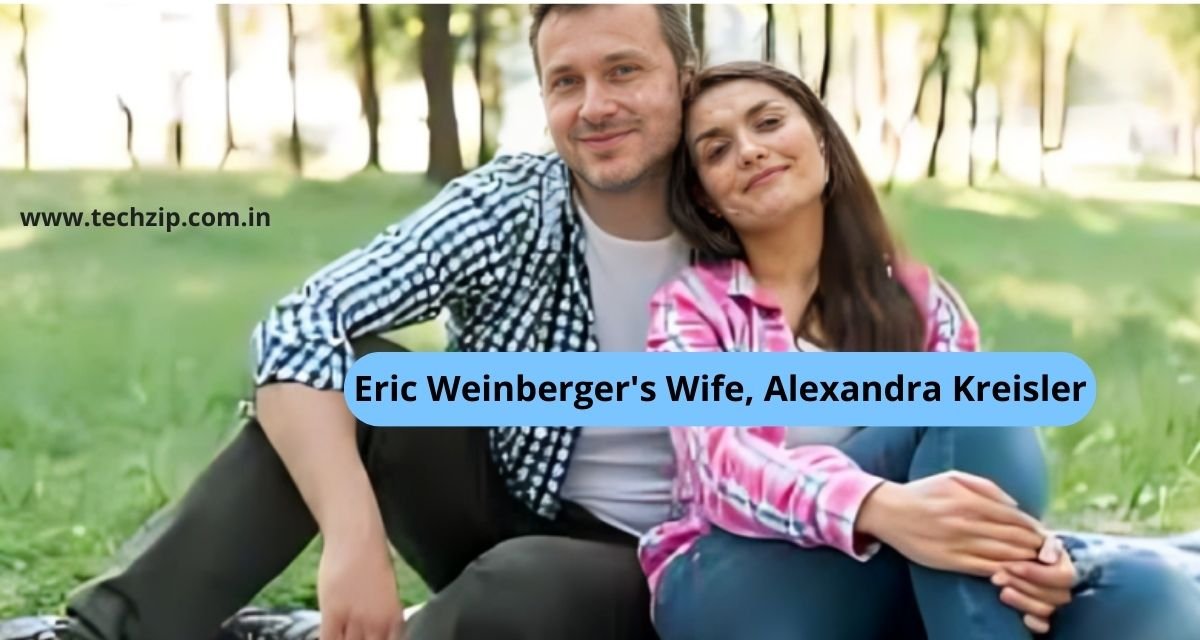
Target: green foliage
column 1180, row 25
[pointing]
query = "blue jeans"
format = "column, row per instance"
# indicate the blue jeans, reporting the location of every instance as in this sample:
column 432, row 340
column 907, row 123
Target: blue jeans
column 728, row 586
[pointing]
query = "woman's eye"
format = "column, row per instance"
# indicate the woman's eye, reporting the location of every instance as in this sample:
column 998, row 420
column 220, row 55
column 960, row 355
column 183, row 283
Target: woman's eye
column 715, row 151
column 767, row 123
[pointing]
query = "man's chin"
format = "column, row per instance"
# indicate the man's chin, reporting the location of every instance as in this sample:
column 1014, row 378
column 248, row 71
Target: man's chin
column 614, row 180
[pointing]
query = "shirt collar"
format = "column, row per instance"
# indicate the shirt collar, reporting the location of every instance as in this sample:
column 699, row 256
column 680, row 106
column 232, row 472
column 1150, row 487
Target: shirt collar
column 741, row 284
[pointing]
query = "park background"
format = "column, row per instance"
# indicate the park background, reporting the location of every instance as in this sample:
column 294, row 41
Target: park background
column 1042, row 158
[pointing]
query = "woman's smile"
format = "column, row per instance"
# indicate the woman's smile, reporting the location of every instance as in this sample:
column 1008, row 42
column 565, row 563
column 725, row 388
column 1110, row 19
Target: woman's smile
column 765, row 176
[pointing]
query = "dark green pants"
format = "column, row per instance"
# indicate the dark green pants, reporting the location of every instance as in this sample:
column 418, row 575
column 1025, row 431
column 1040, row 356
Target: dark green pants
column 498, row 571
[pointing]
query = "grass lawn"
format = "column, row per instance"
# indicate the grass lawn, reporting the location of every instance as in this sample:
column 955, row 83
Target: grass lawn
column 124, row 351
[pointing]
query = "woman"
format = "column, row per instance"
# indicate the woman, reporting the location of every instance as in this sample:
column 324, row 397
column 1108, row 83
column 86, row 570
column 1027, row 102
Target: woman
column 847, row 533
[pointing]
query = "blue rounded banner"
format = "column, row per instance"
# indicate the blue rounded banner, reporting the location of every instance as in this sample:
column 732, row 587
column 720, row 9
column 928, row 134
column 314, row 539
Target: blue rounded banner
column 720, row 389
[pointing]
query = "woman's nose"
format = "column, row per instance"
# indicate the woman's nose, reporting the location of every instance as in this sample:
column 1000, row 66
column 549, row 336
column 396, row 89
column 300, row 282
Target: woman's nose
column 750, row 152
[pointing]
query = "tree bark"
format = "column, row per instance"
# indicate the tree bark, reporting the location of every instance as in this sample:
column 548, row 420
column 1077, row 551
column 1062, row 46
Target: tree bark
column 769, row 35
column 369, row 90
column 437, row 68
column 1195, row 159
column 224, row 11
column 296, row 147
column 999, row 126
column 827, row 60
column 128, row 113
column 929, row 69
column 1042, row 97
column 943, row 61
column 24, row 62
column 479, row 18
column 976, row 78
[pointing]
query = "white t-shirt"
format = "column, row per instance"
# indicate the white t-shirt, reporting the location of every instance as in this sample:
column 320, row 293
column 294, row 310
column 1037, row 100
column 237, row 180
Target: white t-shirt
column 623, row 475
column 799, row 436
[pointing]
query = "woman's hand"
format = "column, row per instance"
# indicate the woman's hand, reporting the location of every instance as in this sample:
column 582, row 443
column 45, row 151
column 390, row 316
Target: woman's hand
column 1037, row 588
column 952, row 521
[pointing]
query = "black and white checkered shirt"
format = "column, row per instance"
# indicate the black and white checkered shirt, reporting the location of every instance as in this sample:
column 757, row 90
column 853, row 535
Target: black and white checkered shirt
column 502, row 250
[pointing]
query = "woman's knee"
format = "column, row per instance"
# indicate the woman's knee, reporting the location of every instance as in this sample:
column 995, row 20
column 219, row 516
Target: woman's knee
column 1133, row 595
column 1010, row 457
column 731, row 586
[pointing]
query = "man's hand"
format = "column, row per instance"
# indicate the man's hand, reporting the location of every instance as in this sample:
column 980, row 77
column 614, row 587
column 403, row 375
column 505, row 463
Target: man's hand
column 356, row 590
column 952, row 521
column 314, row 434
column 1037, row 588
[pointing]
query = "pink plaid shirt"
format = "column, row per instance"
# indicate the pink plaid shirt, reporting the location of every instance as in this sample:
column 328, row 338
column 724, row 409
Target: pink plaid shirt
column 745, row 480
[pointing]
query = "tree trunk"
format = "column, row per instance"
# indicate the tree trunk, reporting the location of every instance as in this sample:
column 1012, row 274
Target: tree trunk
column 1193, row 136
column 999, row 126
column 479, row 18
column 128, row 130
column 800, row 55
column 24, row 61
column 976, row 77
column 891, row 137
column 369, row 90
column 224, row 11
column 769, row 35
column 696, row 12
column 1045, row 92
column 944, row 64
column 296, row 148
column 437, row 68
column 1042, row 98
column 178, row 135
column 929, row 69
column 826, row 62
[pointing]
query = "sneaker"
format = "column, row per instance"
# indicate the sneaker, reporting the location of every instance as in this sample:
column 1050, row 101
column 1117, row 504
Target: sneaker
column 34, row 628
column 253, row 623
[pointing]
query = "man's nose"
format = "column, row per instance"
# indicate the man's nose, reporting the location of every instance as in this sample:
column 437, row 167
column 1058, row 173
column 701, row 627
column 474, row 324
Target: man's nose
column 598, row 104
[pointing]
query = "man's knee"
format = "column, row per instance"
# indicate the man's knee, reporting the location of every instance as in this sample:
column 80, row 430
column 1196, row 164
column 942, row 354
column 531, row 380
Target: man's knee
column 547, row 587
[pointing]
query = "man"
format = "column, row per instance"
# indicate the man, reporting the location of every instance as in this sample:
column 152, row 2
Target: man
column 529, row 253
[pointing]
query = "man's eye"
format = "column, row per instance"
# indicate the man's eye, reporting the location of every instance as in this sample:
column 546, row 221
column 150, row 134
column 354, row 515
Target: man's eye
column 563, row 83
column 624, row 70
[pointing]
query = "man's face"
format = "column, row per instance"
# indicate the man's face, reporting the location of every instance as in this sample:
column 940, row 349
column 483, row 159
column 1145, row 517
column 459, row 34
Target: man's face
column 611, row 92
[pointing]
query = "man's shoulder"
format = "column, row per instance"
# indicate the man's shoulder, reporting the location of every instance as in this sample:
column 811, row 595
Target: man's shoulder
column 520, row 188
column 519, row 170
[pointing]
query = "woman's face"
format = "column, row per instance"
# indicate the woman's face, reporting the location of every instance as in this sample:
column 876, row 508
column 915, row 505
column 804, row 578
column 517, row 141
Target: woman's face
column 758, row 159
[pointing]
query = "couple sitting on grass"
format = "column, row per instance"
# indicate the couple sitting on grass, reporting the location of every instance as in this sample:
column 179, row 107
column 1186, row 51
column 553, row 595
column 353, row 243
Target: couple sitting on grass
column 725, row 211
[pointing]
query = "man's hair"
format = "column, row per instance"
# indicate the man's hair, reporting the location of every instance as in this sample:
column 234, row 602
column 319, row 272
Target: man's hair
column 673, row 21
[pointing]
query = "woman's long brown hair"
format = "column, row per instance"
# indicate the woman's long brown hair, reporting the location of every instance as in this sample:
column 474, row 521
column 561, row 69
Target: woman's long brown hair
column 857, row 305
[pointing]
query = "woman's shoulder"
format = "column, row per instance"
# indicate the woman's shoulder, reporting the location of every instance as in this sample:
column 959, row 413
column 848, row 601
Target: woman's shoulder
column 949, row 323
column 707, row 280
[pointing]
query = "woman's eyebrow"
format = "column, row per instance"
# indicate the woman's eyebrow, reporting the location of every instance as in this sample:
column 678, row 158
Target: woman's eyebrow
column 753, row 111
column 750, row 113
column 709, row 133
